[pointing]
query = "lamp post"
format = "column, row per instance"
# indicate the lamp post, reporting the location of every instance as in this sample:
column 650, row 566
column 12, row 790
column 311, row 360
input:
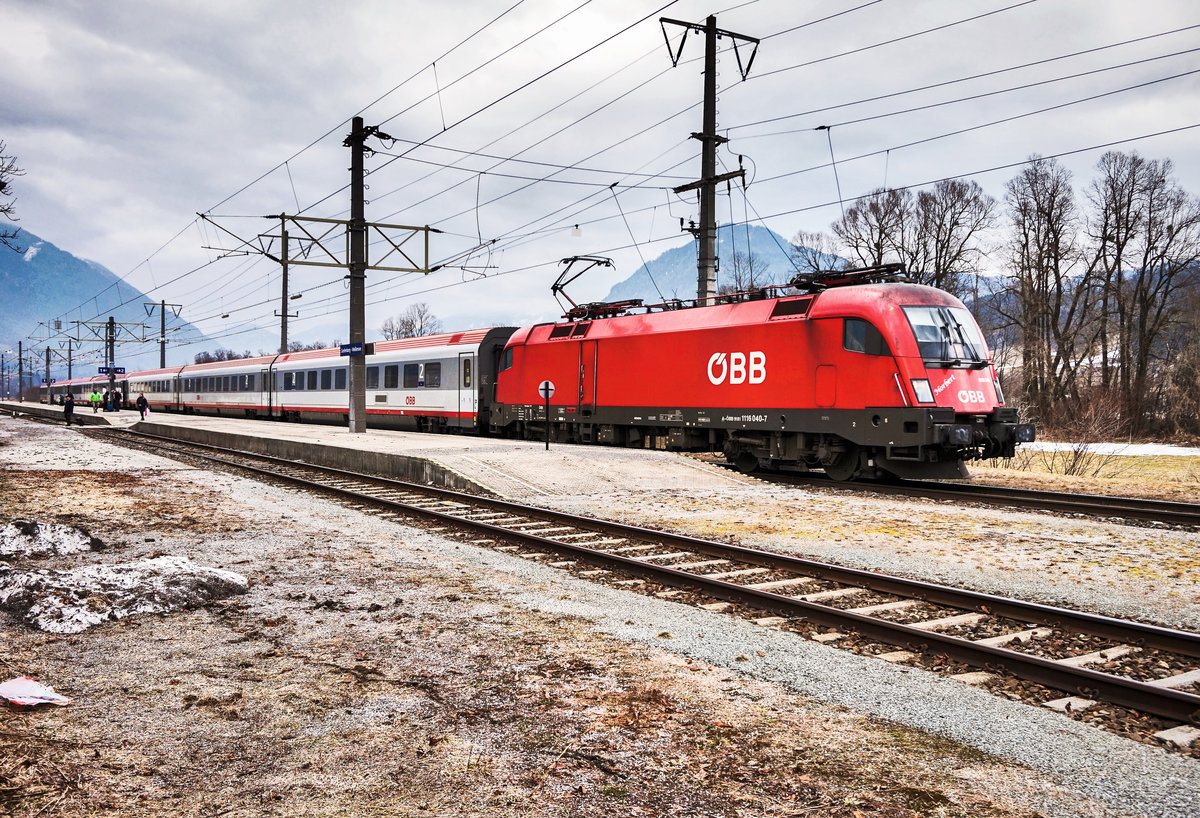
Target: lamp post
column 4, row 391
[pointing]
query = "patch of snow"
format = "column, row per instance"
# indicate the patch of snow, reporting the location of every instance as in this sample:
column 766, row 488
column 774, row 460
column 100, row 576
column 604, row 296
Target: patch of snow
column 32, row 251
column 1126, row 449
column 73, row 601
column 31, row 539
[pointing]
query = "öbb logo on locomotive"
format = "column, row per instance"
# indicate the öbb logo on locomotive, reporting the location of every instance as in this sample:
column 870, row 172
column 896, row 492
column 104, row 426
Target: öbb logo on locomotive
column 737, row 368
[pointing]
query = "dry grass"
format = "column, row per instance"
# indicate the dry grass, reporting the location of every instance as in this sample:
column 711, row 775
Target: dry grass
column 1155, row 477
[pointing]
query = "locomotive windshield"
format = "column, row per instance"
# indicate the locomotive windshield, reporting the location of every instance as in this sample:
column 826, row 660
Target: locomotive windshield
column 947, row 337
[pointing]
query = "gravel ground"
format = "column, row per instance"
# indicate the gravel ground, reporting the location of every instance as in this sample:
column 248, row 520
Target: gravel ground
column 375, row 669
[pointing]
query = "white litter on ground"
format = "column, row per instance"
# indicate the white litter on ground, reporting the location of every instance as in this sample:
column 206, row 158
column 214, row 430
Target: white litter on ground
column 27, row 538
column 26, row 691
column 73, row 601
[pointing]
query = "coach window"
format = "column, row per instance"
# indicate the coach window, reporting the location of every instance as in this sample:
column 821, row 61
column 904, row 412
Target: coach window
column 372, row 377
column 327, row 379
column 433, row 375
column 251, row 381
column 466, row 371
column 312, row 379
column 391, row 376
column 412, row 376
column 339, row 379
column 299, row 376
column 861, row 336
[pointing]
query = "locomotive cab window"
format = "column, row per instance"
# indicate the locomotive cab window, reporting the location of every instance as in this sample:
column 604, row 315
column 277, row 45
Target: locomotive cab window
column 862, row 336
column 947, row 337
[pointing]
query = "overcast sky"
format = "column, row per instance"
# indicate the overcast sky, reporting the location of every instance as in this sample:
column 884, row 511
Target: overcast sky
column 129, row 117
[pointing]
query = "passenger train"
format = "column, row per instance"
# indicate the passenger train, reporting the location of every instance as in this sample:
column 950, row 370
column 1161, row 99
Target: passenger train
column 854, row 373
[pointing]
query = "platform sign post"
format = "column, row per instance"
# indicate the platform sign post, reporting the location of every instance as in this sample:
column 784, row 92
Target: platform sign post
column 546, row 389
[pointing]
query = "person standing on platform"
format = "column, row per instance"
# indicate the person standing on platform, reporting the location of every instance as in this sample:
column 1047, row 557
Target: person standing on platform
column 69, row 408
column 116, row 400
column 95, row 400
column 143, row 405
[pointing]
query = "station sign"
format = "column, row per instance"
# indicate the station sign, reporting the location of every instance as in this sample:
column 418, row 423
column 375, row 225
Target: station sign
column 103, row 370
column 118, row 370
column 351, row 349
column 52, row 380
column 114, row 370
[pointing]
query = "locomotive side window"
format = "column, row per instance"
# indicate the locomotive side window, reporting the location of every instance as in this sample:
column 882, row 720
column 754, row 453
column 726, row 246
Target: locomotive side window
column 339, row 379
column 791, row 307
column 862, row 336
column 508, row 359
column 372, row 377
column 433, row 375
column 391, row 376
column 412, row 376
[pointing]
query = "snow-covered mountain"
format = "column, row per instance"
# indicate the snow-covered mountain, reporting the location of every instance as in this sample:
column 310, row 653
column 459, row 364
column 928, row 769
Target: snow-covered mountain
column 45, row 283
column 673, row 274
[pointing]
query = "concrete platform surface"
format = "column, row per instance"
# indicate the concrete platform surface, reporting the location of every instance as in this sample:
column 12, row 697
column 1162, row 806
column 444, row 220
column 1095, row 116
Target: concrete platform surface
column 507, row 468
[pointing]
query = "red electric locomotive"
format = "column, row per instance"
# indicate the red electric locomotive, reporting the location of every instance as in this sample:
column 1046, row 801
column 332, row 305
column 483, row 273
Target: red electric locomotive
column 858, row 375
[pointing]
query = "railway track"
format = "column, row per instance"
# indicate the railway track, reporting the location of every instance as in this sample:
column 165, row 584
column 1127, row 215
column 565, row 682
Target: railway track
column 1162, row 512
column 979, row 638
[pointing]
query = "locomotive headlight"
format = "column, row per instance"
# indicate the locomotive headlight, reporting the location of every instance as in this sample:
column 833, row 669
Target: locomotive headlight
column 922, row 390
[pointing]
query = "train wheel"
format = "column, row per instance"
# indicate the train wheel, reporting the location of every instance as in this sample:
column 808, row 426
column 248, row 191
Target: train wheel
column 844, row 466
column 744, row 461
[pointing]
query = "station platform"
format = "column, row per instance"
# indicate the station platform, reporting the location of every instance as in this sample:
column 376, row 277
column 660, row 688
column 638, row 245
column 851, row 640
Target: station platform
column 513, row 469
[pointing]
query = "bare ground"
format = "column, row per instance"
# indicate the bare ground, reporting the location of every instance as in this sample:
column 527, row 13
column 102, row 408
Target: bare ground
column 365, row 674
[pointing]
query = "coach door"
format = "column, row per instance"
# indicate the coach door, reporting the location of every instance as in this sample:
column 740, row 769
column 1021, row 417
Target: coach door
column 468, row 391
column 177, row 392
column 587, row 378
column 266, row 392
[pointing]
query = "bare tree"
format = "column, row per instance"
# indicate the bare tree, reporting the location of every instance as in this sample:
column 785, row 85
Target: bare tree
column 747, row 272
column 8, row 171
column 300, row 346
column 1051, row 287
column 414, row 322
column 941, row 236
column 813, row 252
column 870, row 231
column 1146, row 230
column 222, row 355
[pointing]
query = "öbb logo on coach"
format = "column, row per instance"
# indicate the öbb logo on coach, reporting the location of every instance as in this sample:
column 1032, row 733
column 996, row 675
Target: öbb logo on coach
column 737, row 367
